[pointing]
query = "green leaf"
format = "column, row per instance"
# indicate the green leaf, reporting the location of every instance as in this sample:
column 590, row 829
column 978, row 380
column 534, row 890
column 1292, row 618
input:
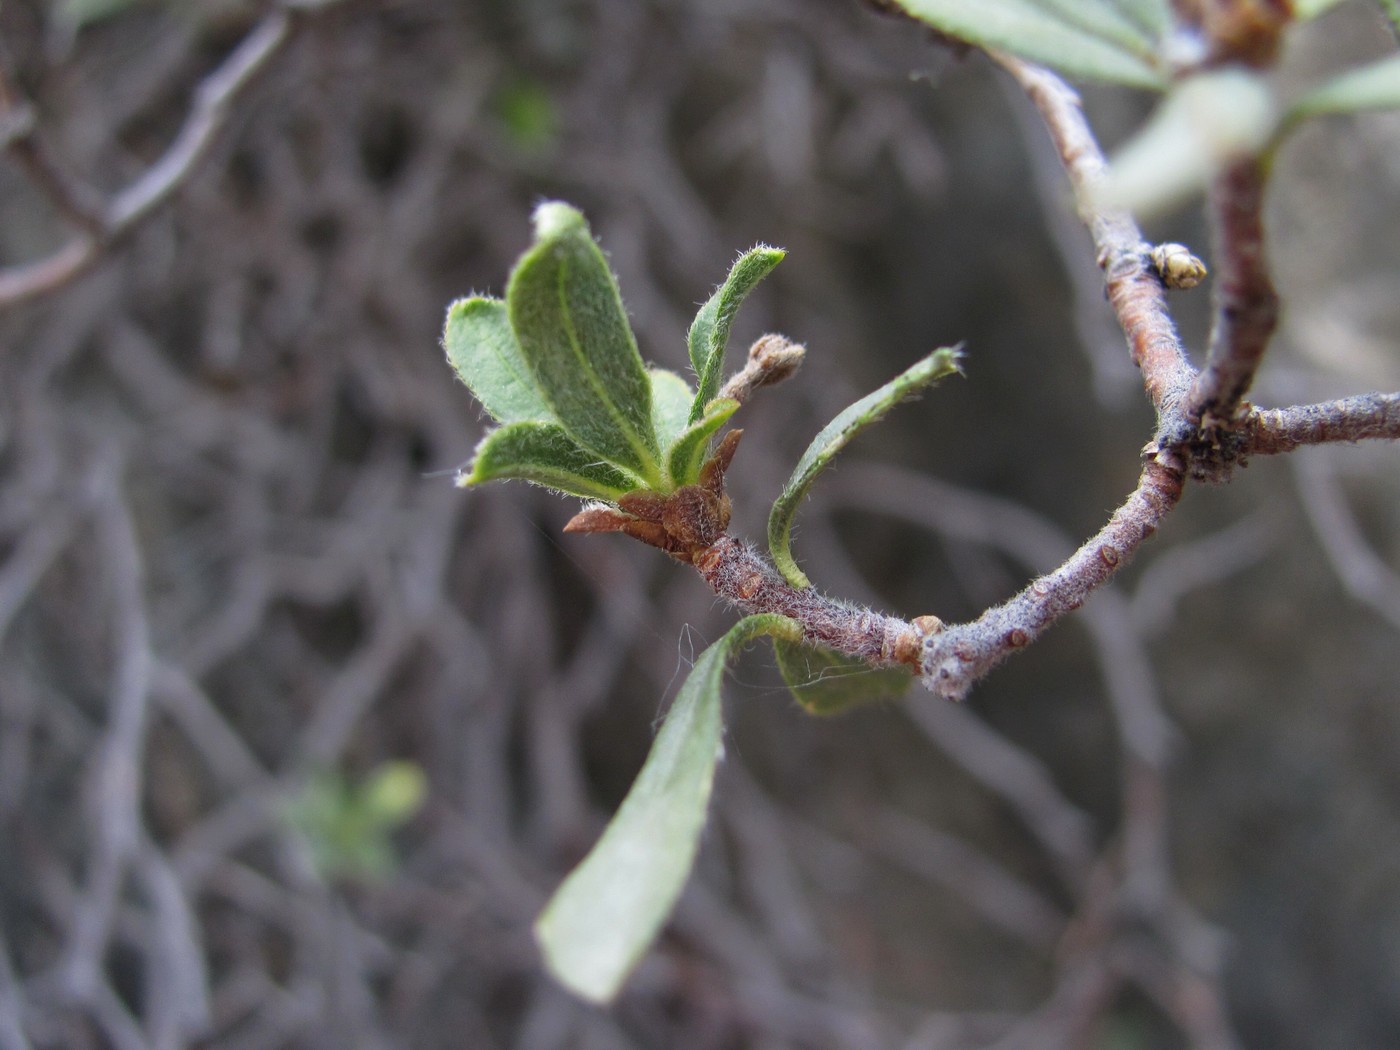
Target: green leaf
column 567, row 314
column 1154, row 16
column 1103, row 19
column 1303, row 10
column 687, row 455
column 709, row 332
column 670, row 405
column 1042, row 35
column 611, row 907
column 1207, row 122
column 1376, row 86
column 484, row 352
column 545, row 454
column 826, row 682
column 833, row 437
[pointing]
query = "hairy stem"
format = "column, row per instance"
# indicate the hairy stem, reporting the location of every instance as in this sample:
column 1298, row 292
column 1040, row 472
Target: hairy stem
column 740, row 575
column 1366, row 416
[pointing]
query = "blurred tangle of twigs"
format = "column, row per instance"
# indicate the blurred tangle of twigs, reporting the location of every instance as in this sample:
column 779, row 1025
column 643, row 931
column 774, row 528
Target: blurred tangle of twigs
column 231, row 561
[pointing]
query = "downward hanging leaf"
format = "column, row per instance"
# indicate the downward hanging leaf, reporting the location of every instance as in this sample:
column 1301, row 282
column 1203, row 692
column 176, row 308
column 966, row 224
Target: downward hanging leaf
column 1094, row 42
column 709, row 332
column 611, row 907
column 545, row 454
column 483, row 350
column 567, row 315
column 833, row 437
column 826, row 682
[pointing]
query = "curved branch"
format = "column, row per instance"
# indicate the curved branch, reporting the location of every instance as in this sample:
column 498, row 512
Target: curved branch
column 957, row 656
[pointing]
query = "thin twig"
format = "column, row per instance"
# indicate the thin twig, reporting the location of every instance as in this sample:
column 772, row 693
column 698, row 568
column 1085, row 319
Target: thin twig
column 1134, row 290
column 1246, row 307
column 957, row 656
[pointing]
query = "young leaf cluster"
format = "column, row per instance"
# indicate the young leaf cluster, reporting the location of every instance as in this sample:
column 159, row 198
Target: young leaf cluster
column 556, row 365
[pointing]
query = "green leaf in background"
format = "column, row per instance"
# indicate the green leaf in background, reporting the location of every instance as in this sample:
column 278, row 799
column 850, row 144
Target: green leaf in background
column 709, row 332
column 687, row 455
column 394, row 792
column 1041, row 32
column 1206, row 122
column 1306, row 9
column 545, row 454
column 833, row 437
column 483, row 350
column 826, row 682
column 528, row 114
column 611, row 907
column 1376, row 86
column 567, row 314
column 346, row 826
column 670, row 405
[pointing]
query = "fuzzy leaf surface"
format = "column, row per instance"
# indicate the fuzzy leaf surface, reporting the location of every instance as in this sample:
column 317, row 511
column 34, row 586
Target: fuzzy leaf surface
column 1375, row 86
column 670, row 405
column 609, row 910
column 849, row 422
column 567, row 314
column 483, row 351
column 1042, row 32
column 687, row 454
column 709, row 332
column 826, row 682
column 546, row 454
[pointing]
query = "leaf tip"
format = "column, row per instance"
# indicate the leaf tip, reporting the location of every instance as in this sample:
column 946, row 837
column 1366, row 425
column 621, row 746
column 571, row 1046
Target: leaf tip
column 554, row 218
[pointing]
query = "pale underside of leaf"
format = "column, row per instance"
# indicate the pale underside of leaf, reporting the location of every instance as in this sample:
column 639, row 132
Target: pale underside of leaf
column 1041, row 34
column 545, row 454
column 483, row 351
column 687, row 455
column 1154, row 17
column 1375, row 86
column 834, row 437
column 567, row 314
column 826, row 682
column 709, row 332
column 607, row 913
column 1206, row 122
